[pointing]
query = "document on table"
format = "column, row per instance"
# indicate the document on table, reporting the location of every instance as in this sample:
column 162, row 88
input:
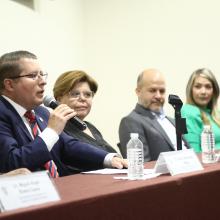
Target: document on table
column 145, row 177
column 115, row 171
column 148, row 173
column 21, row 191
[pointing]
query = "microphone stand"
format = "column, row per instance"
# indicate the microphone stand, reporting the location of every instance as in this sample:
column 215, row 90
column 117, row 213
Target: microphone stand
column 181, row 129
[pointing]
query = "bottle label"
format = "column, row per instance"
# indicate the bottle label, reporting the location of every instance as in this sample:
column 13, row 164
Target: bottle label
column 208, row 147
column 207, row 142
column 135, row 163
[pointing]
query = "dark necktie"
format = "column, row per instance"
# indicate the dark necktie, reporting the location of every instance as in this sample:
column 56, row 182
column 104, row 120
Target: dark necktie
column 50, row 165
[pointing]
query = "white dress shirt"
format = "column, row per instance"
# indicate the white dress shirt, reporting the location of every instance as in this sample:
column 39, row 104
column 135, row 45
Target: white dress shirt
column 168, row 127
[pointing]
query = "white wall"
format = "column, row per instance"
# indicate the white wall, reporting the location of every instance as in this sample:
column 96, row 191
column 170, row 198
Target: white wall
column 126, row 36
column 54, row 32
column 114, row 40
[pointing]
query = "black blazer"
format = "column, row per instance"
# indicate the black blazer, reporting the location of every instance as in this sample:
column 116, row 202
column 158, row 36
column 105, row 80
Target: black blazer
column 98, row 141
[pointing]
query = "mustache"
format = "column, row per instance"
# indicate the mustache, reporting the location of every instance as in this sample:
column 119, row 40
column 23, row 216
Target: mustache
column 157, row 101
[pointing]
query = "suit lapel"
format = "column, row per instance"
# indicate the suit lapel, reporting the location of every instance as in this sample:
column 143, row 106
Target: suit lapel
column 158, row 127
column 21, row 127
column 41, row 123
column 151, row 119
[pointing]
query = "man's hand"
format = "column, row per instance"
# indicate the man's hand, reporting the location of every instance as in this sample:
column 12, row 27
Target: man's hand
column 17, row 172
column 119, row 162
column 59, row 116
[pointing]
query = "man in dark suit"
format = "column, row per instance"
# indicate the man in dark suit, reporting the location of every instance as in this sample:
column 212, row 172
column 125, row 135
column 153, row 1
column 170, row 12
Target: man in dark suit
column 156, row 131
column 22, row 83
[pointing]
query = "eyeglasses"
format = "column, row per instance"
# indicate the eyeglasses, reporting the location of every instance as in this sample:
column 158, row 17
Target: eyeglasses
column 77, row 95
column 34, row 76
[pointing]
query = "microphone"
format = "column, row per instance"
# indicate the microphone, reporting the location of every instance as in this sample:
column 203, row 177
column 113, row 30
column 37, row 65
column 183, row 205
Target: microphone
column 175, row 101
column 52, row 103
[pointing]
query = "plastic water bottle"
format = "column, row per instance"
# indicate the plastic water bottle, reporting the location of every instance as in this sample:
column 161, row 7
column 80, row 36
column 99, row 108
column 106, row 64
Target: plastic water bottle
column 208, row 145
column 135, row 158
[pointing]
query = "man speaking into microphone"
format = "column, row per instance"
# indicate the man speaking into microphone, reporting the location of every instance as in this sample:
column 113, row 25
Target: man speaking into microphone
column 30, row 135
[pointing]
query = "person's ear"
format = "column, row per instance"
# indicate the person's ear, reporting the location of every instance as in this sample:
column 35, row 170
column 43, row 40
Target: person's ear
column 9, row 84
column 137, row 90
column 58, row 98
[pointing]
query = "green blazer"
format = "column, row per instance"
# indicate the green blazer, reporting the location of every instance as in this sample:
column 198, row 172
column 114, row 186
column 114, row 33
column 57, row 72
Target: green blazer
column 194, row 125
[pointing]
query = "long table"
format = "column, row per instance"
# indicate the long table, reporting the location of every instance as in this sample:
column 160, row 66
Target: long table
column 194, row 195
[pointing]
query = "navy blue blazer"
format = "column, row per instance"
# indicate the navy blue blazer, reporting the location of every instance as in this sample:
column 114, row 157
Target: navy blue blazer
column 18, row 149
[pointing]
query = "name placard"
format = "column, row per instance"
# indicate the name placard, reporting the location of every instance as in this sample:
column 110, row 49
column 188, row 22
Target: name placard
column 26, row 190
column 176, row 162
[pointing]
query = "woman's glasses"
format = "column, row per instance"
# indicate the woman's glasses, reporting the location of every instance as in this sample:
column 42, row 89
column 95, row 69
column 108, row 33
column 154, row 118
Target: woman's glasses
column 77, row 95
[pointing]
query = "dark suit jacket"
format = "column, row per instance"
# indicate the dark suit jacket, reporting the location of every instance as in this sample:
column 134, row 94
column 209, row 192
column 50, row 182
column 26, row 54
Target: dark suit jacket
column 154, row 138
column 18, row 149
column 97, row 141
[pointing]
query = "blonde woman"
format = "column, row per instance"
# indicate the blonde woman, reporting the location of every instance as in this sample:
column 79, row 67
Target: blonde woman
column 202, row 93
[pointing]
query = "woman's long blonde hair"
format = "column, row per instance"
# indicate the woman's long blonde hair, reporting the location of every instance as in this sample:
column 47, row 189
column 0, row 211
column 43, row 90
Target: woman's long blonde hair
column 212, row 105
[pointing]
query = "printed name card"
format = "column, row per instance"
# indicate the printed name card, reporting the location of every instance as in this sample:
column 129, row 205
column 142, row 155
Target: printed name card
column 26, row 190
column 176, row 162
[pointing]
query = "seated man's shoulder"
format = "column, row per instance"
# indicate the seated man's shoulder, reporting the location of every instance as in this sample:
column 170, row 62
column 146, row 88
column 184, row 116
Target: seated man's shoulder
column 3, row 106
column 133, row 117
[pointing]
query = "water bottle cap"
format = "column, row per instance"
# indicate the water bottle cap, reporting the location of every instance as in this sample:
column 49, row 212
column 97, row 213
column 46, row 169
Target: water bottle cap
column 134, row 135
column 207, row 127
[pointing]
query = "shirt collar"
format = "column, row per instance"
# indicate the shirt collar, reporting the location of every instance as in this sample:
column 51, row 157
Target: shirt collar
column 159, row 114
column 21, row 110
